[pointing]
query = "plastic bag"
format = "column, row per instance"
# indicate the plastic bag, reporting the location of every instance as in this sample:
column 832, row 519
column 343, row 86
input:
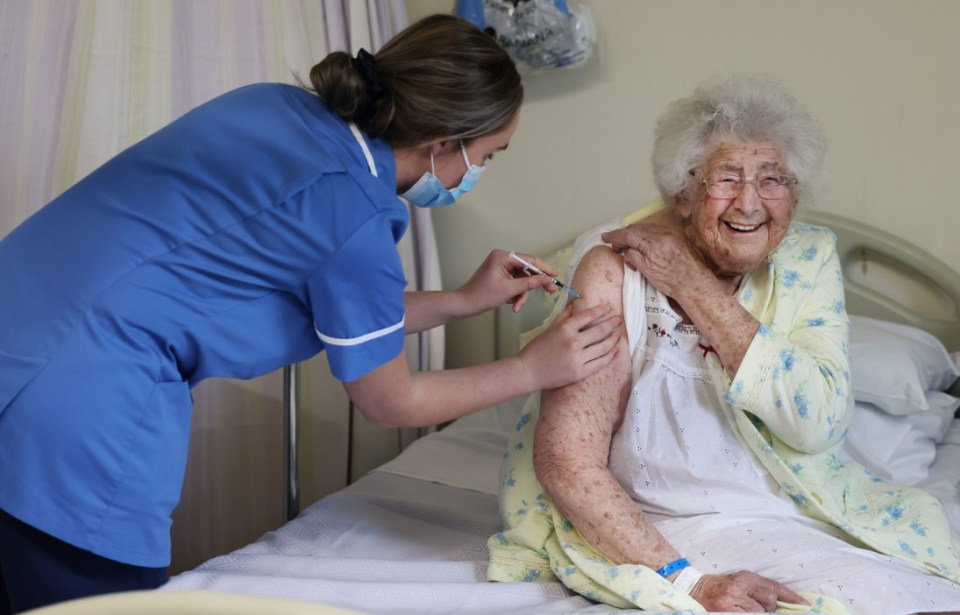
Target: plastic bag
column 538, row 34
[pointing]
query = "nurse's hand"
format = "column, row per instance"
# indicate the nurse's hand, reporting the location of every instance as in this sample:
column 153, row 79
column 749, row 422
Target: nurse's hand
column 573, row 347
column 501, row 279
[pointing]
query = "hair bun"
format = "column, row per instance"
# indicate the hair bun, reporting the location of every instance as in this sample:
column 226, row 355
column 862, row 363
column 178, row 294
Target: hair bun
column 366, row 65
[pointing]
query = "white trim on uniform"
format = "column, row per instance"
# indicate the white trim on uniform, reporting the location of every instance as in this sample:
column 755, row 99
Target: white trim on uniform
column 366, row 150
column 353, row 341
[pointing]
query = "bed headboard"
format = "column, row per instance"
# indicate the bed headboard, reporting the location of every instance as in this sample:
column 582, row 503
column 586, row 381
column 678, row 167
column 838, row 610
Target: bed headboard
column 885, row 276
column 889, row 278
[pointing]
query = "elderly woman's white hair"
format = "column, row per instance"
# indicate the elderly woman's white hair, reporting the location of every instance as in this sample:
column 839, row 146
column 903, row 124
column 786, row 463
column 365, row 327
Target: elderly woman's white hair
column 743, row 108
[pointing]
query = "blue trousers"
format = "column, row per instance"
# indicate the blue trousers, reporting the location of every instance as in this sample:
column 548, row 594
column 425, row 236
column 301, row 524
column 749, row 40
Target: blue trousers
column 37, row 569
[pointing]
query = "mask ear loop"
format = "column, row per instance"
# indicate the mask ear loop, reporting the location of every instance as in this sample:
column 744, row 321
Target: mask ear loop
column 463, row 150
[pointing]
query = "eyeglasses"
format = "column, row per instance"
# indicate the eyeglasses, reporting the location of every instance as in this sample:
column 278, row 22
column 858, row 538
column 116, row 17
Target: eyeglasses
column 726, row 185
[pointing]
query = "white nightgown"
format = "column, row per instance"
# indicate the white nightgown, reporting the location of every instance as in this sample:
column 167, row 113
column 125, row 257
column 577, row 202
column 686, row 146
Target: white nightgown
column 680, row 455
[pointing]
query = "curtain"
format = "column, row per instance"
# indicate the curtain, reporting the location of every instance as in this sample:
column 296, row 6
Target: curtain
column 370, row 25
column 80, row 80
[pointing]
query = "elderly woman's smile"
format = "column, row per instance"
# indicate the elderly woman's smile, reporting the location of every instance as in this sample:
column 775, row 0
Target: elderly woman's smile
column 733, row 225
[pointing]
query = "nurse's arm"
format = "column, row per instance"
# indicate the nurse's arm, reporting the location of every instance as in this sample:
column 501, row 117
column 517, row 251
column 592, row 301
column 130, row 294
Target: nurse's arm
column 572, row 348
column 500, row 279
column 428, row 309
column 431, row 308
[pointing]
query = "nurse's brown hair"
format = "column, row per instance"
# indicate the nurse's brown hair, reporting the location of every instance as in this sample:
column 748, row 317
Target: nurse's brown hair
column 440, row 78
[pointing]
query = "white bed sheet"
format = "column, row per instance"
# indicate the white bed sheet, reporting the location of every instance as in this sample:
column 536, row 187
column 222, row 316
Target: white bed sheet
column 397, row 541
column 410, row 537
column 944, row 478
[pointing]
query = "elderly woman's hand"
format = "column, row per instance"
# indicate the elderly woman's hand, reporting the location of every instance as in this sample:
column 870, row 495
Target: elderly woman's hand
column 742, row 591
column 663, row 255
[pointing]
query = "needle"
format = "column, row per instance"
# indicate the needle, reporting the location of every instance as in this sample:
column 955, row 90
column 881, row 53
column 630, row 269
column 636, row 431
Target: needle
column 532, row 269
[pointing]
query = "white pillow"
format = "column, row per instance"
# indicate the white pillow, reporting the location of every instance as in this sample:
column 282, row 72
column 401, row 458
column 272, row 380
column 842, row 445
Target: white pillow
column 899, row 449
column 892, row 366
column 936, row 423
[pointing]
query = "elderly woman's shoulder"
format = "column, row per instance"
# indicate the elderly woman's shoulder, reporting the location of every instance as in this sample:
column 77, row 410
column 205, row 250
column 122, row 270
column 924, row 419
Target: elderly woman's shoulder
column 806, row 241
column 600, row 269
column 601, row 256
column 812, row 232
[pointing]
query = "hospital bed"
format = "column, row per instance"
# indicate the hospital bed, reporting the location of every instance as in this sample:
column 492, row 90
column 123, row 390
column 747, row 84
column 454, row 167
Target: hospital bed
column 410, row 537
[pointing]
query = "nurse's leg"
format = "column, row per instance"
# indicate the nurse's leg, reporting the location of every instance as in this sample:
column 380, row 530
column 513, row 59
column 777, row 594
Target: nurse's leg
column 4, row 601
column 39, row 569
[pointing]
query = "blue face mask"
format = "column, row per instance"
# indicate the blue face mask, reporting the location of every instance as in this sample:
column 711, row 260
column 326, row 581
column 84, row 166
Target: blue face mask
column 429, row 191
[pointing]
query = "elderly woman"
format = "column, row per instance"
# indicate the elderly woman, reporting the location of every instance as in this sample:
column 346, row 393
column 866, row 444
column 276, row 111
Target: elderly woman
column 698, row 470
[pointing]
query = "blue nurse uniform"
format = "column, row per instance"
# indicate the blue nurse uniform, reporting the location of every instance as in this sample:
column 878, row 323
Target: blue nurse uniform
column 253, row 232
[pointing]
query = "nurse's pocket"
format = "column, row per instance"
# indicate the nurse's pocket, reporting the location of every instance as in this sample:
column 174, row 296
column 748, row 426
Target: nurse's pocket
column 16, row 372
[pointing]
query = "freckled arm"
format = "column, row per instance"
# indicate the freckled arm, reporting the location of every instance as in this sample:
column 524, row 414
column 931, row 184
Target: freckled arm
column 574, row 433
column 721, row 319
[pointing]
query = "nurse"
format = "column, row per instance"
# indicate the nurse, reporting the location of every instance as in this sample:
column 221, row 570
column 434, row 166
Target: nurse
column 255, row 231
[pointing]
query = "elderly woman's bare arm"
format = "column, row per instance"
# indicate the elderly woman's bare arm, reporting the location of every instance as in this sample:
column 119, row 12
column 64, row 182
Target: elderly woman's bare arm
column 571, row 451
column 573, row 437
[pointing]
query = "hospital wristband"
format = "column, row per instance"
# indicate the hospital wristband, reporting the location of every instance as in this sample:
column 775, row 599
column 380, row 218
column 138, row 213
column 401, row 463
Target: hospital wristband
column 687, row 579
column 675, row 565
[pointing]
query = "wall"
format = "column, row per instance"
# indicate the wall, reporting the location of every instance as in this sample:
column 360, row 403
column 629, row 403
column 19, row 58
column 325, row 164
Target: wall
column 880, row 75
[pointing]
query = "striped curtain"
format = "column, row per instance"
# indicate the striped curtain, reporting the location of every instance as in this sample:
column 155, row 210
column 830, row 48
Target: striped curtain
column 80, row 80
column 83, row 79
